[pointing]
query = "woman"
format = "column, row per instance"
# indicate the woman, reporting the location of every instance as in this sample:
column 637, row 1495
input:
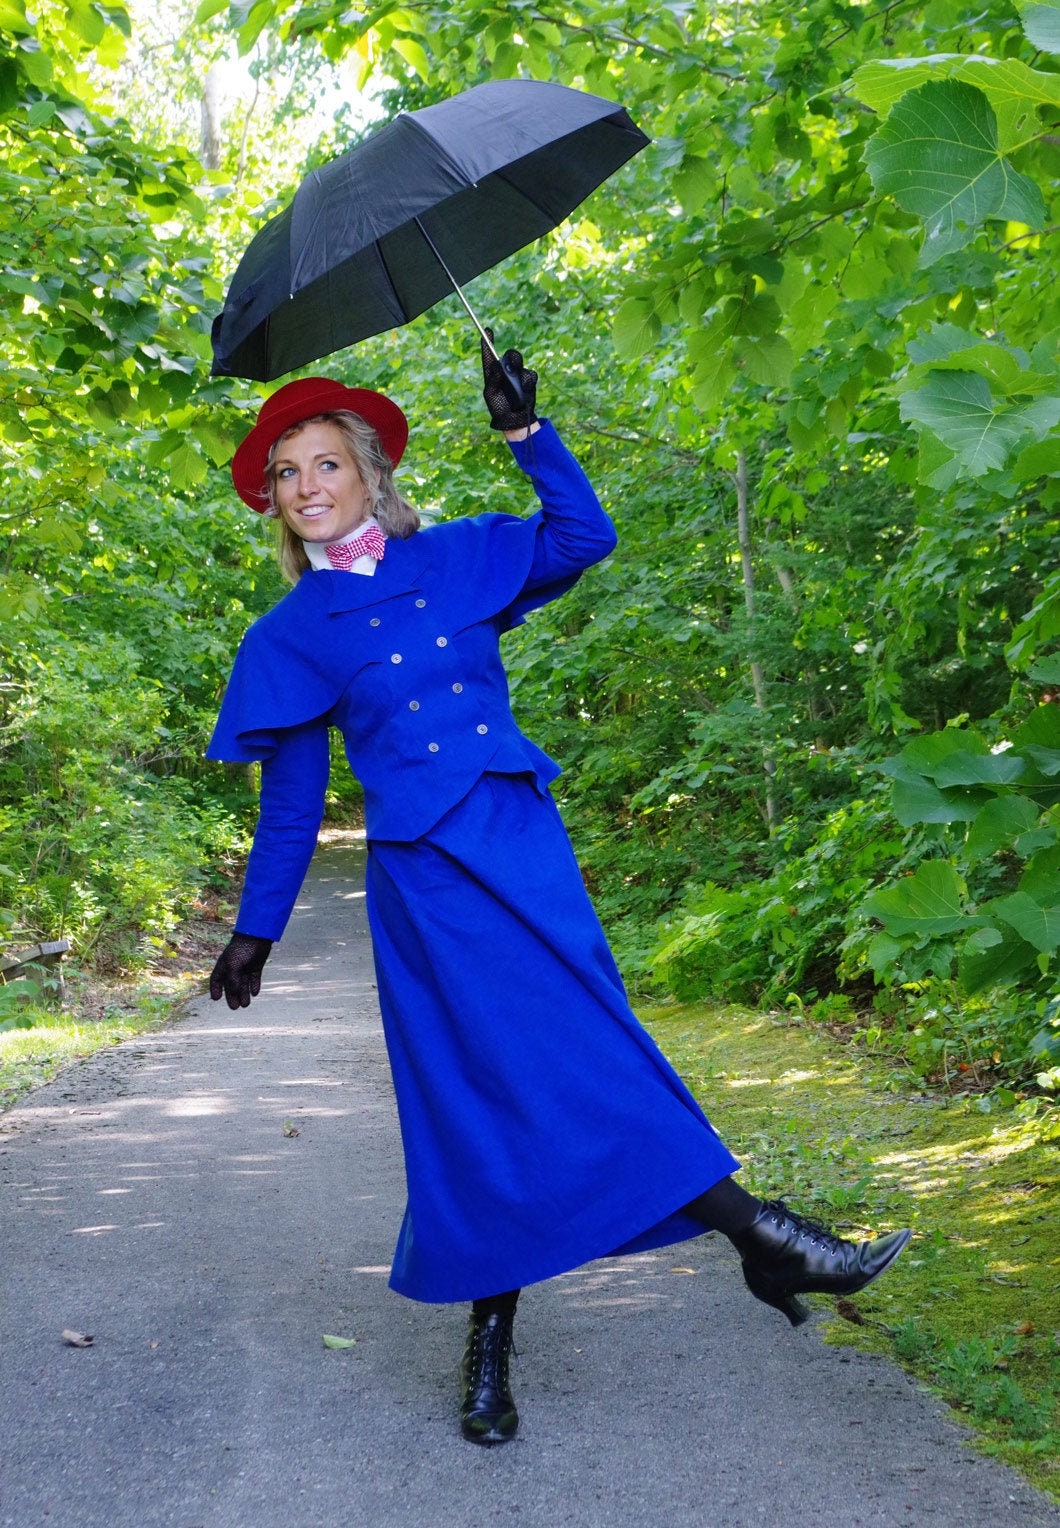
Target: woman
column 541, row 1125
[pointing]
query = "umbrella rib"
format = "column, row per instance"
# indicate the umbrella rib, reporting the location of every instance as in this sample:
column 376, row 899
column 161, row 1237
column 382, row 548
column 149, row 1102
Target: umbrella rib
column 546, row 211
column 393, row 284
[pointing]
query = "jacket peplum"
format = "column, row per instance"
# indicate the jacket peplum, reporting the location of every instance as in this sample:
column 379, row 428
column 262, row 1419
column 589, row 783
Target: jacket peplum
column 406, row 663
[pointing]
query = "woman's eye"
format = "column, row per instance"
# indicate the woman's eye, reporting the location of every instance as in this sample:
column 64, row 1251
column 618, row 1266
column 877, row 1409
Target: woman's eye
column 285, row 472
column 329, row 466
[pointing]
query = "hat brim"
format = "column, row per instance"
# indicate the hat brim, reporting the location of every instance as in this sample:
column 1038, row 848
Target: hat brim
column 298, row 401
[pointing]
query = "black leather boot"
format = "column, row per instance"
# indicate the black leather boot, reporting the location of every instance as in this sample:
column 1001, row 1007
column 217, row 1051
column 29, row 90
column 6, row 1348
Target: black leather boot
column 488, row 1414
column 785, row 1255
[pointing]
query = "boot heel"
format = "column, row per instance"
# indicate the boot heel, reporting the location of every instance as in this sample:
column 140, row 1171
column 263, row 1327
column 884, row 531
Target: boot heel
column 788, row 1304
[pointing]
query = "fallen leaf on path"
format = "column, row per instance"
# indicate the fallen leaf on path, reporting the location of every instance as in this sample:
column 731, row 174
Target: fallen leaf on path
column 682, row 1270
column 289, row 1128
column 1025, row 1329
column 77, row 1339
column 339, row 1342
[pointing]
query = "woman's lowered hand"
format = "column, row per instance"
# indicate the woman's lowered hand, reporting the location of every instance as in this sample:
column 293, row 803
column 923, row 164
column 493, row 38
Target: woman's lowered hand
column 237, row 974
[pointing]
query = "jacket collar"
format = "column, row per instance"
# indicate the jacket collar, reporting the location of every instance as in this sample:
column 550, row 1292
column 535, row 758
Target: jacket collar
column 399, row 572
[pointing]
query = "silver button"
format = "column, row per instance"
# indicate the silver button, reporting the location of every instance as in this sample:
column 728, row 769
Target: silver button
column 420, row 604
column 432, row 747
column 482, row 727
column 395, row 657
column 442, row 641
column 374, row 621
column 414, row 705
column 458, row 689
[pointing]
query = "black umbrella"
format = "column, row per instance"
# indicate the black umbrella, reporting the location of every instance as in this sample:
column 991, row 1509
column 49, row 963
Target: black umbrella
column 394, row 225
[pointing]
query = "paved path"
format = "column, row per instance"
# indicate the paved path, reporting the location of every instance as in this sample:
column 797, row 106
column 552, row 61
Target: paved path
column 151, row 1198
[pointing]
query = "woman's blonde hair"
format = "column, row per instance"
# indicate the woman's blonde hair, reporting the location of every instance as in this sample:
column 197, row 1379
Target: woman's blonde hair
column 395, row 515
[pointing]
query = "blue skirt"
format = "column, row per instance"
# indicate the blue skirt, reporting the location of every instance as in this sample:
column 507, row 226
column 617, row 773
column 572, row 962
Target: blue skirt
column 542, row 1126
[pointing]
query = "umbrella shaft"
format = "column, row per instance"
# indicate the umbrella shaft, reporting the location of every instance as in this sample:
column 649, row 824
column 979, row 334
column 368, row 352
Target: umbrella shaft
column 458, row 290
column 511, row 382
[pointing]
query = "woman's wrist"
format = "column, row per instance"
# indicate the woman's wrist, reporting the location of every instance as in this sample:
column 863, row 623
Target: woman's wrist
column 524, row 432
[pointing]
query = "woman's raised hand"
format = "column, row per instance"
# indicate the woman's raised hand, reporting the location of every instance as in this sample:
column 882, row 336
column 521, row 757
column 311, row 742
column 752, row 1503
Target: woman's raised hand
column 506, row 412
column 237, row 974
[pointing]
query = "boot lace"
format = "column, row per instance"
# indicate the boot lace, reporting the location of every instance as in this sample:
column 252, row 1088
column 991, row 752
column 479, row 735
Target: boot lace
column 490, row 1351
column 815, row 1233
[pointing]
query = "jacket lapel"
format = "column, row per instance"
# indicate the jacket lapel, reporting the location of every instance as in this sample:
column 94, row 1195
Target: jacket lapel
column 399, row 572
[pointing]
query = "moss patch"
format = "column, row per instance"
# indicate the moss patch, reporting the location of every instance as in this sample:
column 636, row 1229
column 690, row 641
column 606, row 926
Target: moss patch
column 973, row 1306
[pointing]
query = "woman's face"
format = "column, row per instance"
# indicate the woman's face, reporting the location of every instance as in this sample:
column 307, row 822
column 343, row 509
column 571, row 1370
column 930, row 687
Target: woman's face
column 318, row 489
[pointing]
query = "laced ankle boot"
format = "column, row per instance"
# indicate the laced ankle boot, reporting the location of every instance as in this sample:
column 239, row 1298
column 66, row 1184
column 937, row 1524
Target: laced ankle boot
column 785, row 1255
column 488, row 1413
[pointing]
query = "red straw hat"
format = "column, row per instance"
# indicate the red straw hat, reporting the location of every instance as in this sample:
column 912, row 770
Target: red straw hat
column 297, row 401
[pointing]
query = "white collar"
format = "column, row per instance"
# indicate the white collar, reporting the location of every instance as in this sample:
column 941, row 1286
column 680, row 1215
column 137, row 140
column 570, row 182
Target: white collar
column 318, row 557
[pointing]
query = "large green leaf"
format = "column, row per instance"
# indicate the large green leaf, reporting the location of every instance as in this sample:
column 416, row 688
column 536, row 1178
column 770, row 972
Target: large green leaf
column 636, row 328
column 1038, row 925
column 1046, row 760
column 1040, row 730
column 768, row 360
column 1047, row 669
column 883, row 82
column 960, row 409
column 924, row 755
column 937, row 154
column 948, row 348
column 1000, row 822
column 961, row 768
column 1041, row 22
column 919, row 800
column 982, row 965
column 1041, row 879
column 1013, row 88
column 928, row 902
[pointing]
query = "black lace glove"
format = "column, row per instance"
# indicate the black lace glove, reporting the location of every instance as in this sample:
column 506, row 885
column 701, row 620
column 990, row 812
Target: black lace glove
column 237, row 973
column 510, row 390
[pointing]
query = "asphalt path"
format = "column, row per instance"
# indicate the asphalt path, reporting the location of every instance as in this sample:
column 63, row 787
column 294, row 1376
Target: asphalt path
column 157, row 1198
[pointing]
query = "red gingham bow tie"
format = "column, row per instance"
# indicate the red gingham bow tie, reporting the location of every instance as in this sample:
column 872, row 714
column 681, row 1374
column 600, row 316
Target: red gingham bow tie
column 371, row 543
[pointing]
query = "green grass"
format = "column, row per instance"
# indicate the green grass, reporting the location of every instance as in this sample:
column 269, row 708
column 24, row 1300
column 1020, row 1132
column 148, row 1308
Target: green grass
column 973, row 1306
column 30, row 1057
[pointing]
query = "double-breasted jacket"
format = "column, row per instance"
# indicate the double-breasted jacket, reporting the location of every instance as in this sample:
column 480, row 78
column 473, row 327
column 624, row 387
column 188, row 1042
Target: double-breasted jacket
column 406, row 664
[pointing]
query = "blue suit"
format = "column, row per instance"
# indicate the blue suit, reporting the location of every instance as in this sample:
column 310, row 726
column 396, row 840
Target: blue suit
column 541, row 1125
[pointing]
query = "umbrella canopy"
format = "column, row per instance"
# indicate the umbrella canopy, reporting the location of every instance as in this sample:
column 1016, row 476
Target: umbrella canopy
column 434, row 198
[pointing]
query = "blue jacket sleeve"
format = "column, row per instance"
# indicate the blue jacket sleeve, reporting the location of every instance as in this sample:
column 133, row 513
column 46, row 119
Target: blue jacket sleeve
column 293, row 781
column 572, row 529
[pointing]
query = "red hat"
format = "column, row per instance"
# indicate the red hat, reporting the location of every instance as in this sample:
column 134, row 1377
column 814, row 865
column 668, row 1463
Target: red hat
column 297, row 401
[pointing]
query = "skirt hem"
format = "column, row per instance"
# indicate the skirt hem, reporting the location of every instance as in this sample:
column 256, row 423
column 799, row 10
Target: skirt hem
column 665, row 1230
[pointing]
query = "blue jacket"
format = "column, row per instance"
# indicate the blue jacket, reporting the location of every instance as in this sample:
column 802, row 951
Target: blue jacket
column 407, row 665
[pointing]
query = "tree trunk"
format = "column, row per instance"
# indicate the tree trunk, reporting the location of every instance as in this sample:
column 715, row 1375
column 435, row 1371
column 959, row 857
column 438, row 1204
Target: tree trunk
column 211, row 139
column 743, row 524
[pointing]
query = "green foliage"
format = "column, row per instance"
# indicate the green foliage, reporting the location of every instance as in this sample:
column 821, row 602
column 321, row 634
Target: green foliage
column 98, row 843
column 956, row 192
column 795, row 296
column 971, row 1375
column 782, row 934
column 992, row 902
column 16, row 998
